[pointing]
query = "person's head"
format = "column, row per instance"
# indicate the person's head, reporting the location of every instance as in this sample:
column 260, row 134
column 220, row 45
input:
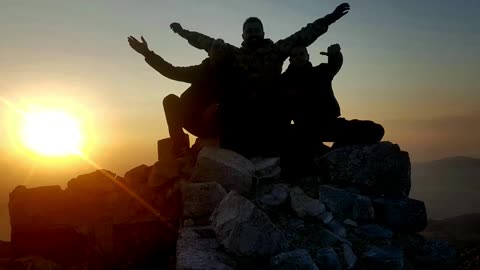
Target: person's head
column 299, row 56
column 253, row 30
column 217, row 52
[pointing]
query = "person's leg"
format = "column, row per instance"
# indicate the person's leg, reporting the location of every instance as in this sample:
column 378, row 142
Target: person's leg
column 174, row 113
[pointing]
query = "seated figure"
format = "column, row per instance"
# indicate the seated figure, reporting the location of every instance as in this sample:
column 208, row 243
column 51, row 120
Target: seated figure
column 195, row 110
column 312, row 105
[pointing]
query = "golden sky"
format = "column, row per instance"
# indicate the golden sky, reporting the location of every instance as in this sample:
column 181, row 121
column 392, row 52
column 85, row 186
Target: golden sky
column 411, row 66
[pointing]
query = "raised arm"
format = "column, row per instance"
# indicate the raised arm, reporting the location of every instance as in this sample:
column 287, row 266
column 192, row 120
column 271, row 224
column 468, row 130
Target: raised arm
column 197, row 40
column 335, row 60
column 308, row 34
column 183, row 74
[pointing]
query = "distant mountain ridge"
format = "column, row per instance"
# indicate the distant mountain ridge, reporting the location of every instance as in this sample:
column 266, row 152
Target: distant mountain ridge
column 451, row 162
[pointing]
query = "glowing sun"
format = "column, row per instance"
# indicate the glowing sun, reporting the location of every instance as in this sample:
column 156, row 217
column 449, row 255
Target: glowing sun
column 51, row 133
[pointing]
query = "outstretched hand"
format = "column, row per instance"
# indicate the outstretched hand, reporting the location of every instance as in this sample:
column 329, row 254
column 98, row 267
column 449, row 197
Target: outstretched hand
column 176, row 27
column 140, row 47
column 332, row 50
column 341, row 10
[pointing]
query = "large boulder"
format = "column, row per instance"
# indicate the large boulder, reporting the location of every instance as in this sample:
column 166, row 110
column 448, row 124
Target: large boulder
column 244, row 230
column 378, row 169
column 138, row 175
column 268, row 168
column 142, row 244
column 388, row 258
column 197, row 249
column 164, row 172
column 304, row 206
column 229, row 169
column 327, row 259
column 296, row 259
column 200, row 199
column 407, row 215
column 344, row 204
column 277, row 197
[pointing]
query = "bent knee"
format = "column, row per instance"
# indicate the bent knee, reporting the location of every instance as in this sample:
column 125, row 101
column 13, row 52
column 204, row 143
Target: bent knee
column 170, row 100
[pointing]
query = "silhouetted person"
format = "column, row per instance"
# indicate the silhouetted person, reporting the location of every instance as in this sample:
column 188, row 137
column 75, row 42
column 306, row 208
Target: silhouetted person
column 251, row 110
column 195, row 110
column 312, row 104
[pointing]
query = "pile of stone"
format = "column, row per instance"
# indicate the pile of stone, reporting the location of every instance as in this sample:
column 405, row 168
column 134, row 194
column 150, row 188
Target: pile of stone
column 100, row 220
column 354, row 214
column 219, row 210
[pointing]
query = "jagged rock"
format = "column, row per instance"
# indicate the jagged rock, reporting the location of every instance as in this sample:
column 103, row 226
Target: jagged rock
column 337, row 228
column 351, row 223
column 197, row 249
column 163, row 172
column 200, row 199
column 138, row 175
column 388, row 258
column 229, row 169
column 344, row 204
column 244, row 230
column 277, row 197
column 378, row 169
column 188, row 223
column 297, row 259
column 35, row 263
column 99, row 183
column 327, row 259
column 304, row 206
column 374, row 231
column 349, row 256
column 267, row 167
column 326, row 217
column 406, row 215
column 436, row 254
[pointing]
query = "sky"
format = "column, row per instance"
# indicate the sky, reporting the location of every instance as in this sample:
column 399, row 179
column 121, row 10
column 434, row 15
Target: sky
column 412, row 66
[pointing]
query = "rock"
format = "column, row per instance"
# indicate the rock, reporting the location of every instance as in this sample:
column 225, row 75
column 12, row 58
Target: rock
column 351, row 223
column 407, row 215
column 379, row 169
column 374, row 231
column 326, row 217
column 436, row 254
column 276, row 198
column 349, row 256
column 267, row 168
column 188, row 223
column 164, row 172
column 344, row 204
column 388, row 258
column 229, row 169
column 35, row 263
column 197, row 249
column 327, row 259
column 297, row 259
column 138, row 175
column 97, row 183
column 200, row 199
column 5, row 250
column 142, row 244
column 244, row 230
column 304, row 206
column 164, row 149
column 337, row 228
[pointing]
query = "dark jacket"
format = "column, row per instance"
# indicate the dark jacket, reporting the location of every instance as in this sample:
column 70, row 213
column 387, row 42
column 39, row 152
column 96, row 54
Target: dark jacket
column 308, row 90
column 259, row 69
column 205, row 80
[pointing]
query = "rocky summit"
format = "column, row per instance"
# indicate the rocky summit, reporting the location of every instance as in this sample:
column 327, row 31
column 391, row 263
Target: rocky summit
column 220, row 210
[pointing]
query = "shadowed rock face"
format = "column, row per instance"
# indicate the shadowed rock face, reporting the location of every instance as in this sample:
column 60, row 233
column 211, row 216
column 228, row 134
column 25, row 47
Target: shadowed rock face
column 378, row 169
column 97, row 219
